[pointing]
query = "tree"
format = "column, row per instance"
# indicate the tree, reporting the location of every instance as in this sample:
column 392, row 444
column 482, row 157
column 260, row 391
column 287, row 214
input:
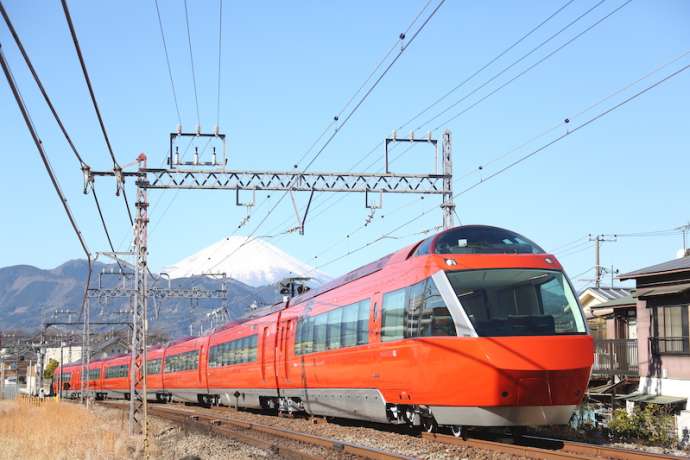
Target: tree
column 50, row 369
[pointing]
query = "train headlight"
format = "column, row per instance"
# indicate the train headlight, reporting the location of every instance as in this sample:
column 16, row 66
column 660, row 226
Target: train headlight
column 451, row 262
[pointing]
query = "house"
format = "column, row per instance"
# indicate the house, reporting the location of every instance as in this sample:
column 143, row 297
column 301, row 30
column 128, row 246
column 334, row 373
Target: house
column 115, row 345
column 615, row 355
column 662, row 296
column 593, row 296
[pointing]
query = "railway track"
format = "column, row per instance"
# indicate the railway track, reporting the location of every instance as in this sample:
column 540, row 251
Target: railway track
column 291, row 444
column 281, row 442
column 552, row 449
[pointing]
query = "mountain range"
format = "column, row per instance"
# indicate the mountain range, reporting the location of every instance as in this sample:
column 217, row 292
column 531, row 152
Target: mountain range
column 29, row 295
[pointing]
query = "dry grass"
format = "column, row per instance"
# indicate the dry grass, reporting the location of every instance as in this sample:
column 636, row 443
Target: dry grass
column 55, row 430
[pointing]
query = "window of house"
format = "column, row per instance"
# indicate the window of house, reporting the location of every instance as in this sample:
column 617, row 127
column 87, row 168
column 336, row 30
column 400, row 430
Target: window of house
column 671, row 329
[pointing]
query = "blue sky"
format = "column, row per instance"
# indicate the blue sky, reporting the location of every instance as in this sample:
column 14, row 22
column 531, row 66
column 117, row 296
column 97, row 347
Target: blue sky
column 289, row 67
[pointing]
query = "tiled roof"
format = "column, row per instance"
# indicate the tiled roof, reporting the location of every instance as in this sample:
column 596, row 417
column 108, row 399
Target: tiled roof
column 682, row 264
column 608, row 293
column 622, row 301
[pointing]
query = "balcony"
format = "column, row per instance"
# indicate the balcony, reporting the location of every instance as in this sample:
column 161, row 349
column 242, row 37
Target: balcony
column 670, row 345
column 615, row 357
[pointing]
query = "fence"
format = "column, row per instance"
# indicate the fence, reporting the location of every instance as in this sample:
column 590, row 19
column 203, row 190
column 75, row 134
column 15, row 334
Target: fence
column 615, row 357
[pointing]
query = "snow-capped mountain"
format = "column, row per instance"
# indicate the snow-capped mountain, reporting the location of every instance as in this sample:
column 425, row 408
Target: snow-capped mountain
column 255, row 263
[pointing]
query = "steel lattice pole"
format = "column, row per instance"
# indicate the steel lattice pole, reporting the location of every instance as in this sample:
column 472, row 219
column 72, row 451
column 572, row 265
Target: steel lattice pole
column 447, row 205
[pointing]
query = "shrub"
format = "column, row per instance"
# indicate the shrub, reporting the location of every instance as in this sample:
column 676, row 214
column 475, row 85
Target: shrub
column 652, row 425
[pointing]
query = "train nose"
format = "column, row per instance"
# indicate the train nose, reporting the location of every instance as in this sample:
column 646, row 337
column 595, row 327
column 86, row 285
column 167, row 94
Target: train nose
column 543, row 388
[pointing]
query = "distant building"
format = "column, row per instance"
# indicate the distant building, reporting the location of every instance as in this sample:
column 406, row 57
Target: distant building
column 593, row 296
column 662, row 296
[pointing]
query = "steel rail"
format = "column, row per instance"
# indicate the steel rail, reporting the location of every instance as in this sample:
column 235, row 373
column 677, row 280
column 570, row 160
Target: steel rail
column 218, row 419
column 565, row 450
column 598, row 451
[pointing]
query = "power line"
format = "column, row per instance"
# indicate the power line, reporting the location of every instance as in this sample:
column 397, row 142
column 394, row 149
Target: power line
column 46, row 162
column 220, row 41
column 540, row 61
column 167, row 61
column 523, row 158
column 251, row 237
column 75, row 40
column 191, row 58
column 57, row 118
column 492, row 61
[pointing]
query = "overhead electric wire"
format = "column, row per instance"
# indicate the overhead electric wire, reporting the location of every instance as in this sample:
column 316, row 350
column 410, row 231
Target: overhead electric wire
column 220, row 42
column 493, row 60
column 521, row 159
column 191, row 58
column 364, row 97
column 75, row 40
column 167, row 61
column 540, row 61
column 48, row 101
column 49, row 169
column 364, row 83
column 467, row 79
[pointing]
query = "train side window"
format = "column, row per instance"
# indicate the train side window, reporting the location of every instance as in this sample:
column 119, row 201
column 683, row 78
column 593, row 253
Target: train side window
column 392, row 315
column 349, row 327
column 363, row 321
column 334, row 320
column 436, row 319
column 308, row 335
column 413, row 310
column 298, row 337
column 320, row 325
column 253, row 344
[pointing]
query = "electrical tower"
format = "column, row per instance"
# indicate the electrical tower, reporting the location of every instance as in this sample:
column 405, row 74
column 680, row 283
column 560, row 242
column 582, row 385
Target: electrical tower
column 599, row 270
column 213, row 175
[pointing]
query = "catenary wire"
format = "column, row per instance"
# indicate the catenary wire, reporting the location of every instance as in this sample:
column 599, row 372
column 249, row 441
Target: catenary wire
column 49, row 169
column 220, row 42
column 521, row 159
column 251, row 236
column 53, row 110
column 167, row 61
column 77, row 47
column 191, row 59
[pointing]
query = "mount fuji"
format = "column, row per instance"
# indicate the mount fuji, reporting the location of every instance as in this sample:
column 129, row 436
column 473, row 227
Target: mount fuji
column 252, row 262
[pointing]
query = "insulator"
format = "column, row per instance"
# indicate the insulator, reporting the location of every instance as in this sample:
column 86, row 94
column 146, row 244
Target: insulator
column 411, row 135
column 177, row 155
column 214, row 156
column 196, row 155
column 428, row 135
column 178, row 128
column 395, row 134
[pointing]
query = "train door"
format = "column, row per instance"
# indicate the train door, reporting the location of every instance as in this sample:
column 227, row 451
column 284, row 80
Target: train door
column 282, row 355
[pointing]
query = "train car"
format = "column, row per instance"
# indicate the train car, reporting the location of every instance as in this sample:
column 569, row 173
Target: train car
column 235, row 375
column 94, row 381
column 154, row 375
column 70, row 377
column 184, row 370
column 116, row 377
column 473, row 326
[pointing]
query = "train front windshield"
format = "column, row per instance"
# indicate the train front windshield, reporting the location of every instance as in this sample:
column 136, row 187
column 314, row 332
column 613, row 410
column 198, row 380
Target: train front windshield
column 518, row 302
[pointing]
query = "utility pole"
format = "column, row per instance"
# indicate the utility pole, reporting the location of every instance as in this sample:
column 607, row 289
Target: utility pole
column 599, row 270
column 684, row 232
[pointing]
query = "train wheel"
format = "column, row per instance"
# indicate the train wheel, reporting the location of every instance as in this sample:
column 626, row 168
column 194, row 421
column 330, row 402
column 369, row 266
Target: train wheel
column 459, row 431
column 429, row 424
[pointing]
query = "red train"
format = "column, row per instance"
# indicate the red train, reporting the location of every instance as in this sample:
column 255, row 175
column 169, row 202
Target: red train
column 473, row 326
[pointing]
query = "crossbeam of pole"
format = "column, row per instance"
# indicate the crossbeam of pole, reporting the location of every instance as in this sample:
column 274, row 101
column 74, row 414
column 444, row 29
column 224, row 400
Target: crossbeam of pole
column 159, row 293
column 222, row 179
